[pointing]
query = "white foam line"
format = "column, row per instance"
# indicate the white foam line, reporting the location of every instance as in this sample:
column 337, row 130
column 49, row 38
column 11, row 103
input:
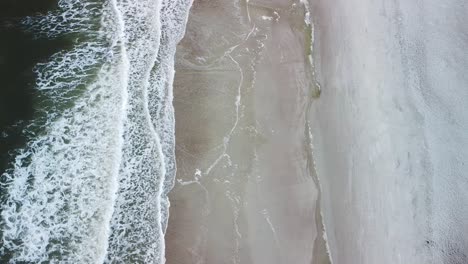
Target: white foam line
column 50, row 161
column 196, row 180
column 202, row 238
column 235, row 211
column 266, row 215
column 157, row 141
column 307, row 18
column 90, row 243
column 123, row 109
column 139, row 82
column 248, row 10
column 237, row 102
column 168, row 64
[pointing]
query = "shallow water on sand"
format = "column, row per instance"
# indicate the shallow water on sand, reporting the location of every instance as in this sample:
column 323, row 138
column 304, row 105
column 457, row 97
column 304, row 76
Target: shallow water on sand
column 245, row 191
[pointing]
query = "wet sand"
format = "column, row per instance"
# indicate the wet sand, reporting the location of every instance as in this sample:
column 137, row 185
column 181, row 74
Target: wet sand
column 245, row 190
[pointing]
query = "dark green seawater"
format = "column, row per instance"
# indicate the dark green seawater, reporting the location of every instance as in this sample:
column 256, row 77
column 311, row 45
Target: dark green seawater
column 87, row 136
column 20, row 51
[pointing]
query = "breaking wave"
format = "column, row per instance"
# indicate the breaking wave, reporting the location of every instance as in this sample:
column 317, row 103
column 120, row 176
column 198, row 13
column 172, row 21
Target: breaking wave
column 91, row 184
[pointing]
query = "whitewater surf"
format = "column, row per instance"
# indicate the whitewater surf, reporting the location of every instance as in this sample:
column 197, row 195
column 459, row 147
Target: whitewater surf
column 90, row 183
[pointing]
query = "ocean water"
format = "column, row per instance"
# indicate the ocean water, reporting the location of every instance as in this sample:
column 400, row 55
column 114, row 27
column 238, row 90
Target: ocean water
column 87, row 178
column 20, row 51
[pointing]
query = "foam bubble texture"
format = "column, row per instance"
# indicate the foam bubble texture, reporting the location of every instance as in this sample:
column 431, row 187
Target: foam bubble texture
column 91, row 185
column 71, row 16
column 149, row 134
column 174, row 18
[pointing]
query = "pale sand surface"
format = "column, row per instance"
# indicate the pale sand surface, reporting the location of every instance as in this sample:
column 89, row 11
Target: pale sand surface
column 246, row 191
column 390, row 129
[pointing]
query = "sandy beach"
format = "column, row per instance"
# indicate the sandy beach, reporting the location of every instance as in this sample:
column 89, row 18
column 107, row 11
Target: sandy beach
column 245, row 190
column 294, row 131
column 390, row 129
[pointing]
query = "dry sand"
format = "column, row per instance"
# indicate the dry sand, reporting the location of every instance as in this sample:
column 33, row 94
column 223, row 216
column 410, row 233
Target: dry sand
column 245, row 190
column 390, row 129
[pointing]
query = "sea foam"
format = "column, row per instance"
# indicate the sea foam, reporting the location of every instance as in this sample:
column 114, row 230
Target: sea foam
column 91, row 184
